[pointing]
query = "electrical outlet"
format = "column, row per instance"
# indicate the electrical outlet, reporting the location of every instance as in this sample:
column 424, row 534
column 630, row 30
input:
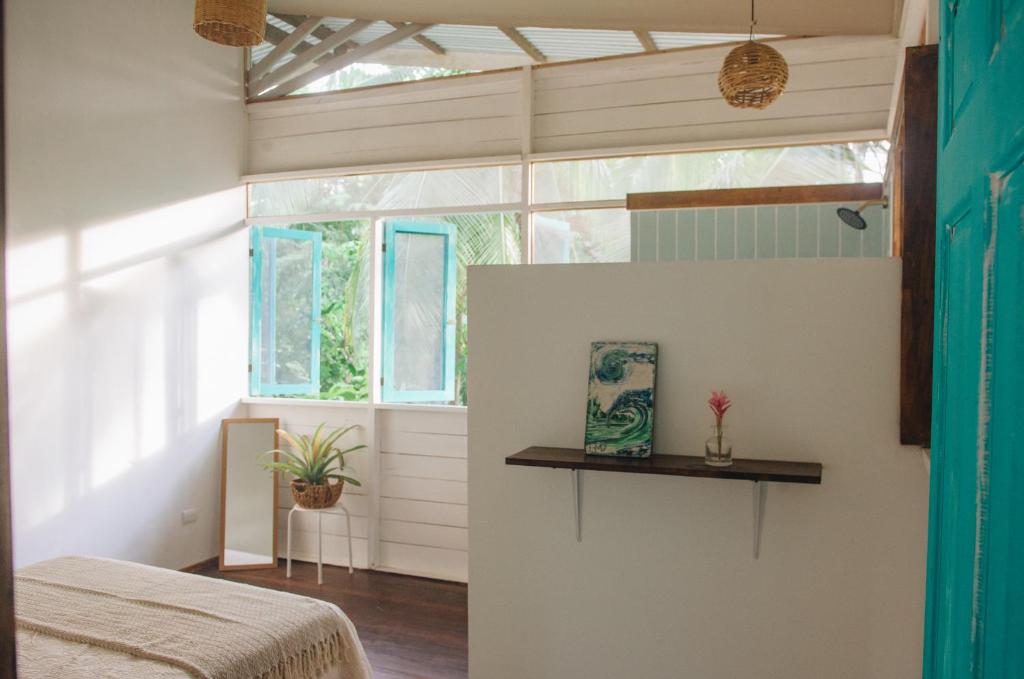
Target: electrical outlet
column 189, row 516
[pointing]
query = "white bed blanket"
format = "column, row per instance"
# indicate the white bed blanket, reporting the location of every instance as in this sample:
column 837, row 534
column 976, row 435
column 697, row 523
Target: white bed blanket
column 87, row 617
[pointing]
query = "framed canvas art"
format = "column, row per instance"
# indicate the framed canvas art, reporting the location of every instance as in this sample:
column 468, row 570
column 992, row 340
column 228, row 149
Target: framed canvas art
column 620, row 403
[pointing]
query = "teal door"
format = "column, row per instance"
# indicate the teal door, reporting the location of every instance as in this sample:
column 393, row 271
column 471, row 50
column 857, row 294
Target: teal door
column 975, row 600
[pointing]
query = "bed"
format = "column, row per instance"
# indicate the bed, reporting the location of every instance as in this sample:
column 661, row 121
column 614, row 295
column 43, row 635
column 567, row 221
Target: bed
column 81, row 617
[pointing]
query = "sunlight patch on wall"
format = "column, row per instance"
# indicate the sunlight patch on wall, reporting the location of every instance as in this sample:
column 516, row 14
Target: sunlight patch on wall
column 36, row 266
column 215, row 350
column 138, row 235
column 31, row 320
column 153, row 387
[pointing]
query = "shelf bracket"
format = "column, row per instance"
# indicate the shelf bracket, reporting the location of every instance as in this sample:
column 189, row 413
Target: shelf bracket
column 577, row 503
column 760, row 496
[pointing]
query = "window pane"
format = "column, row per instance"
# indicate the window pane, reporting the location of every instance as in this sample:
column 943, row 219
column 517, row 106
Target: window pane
column 288, row 279
column 581, row 236
column 418, row 314
column 613, row 178
column 344, row 310
column 480, row 239
column 390, row 191
column 368, row 74
column 491, row 238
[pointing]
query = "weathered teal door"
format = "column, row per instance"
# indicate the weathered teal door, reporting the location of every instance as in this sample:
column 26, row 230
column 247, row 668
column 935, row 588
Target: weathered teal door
column 975, row 611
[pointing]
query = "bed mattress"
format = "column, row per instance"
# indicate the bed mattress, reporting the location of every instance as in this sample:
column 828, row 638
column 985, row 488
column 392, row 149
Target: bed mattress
column 86, row 617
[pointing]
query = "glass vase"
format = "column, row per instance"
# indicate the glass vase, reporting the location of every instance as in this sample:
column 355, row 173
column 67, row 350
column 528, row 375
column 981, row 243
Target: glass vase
column 718, row 448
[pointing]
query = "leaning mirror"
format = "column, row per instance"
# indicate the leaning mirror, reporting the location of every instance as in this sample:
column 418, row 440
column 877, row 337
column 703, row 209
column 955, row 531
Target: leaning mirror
column 248, row 497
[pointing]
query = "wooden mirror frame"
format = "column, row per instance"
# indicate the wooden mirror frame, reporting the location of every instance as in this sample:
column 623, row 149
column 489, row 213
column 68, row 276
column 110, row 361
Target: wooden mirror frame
column 224, row 485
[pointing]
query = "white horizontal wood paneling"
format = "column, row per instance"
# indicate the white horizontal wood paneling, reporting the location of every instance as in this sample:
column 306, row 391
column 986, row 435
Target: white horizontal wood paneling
column 418, row 468
column 444, row 564
column 438, row 513
column 423, row 493
column 303, row 419
column 836, row 84
column 464, row 117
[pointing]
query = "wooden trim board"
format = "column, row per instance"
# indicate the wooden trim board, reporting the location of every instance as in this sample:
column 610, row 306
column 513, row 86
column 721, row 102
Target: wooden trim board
column 914, row 235
column 205, row 564
column 770, row 195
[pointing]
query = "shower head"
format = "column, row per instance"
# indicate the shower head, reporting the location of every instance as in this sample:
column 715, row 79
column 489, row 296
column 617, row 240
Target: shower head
column 854, row 219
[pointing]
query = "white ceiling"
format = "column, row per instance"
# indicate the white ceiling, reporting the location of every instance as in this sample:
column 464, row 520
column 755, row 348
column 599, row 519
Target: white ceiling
column 785, row 17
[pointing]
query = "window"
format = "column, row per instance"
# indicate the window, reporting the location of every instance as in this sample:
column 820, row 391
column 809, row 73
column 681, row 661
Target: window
column 581, row 236
column 613, row 178
column 458, row 187
column 475, row 239
column 320, row 283
column 285, row 340
column 419, row 312
column 310, row 309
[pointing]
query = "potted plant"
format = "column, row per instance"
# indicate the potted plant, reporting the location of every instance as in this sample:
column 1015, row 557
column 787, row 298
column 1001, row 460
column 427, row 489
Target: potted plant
column 314, row 462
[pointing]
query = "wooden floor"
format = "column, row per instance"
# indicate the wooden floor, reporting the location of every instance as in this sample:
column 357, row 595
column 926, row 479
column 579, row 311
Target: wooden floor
column 411, row 628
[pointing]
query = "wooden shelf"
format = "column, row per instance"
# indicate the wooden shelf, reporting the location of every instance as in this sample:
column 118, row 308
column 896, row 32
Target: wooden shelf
column 757, row 471
column 778, row 471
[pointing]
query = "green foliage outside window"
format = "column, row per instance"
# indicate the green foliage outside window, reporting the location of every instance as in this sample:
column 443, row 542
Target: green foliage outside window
column 345, row 284
column 344, row 341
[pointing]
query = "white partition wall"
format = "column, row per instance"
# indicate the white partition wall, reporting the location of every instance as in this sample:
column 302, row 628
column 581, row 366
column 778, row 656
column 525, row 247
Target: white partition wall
column 664, row 584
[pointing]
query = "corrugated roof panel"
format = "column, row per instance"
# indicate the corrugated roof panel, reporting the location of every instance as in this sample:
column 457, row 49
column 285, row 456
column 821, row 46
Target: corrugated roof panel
column 666, row 40
column 558, row 44
column 486, row 39
column 566, row 43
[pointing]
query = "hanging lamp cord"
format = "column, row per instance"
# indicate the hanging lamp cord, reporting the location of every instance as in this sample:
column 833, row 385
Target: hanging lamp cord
column 753, row 21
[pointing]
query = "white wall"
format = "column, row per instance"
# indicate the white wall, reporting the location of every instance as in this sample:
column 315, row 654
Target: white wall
column 663, row 584
column 127, row 276
column 839, row 89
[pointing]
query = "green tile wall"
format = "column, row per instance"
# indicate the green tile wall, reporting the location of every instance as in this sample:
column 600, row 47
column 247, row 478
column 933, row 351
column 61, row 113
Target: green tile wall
column 762, row 232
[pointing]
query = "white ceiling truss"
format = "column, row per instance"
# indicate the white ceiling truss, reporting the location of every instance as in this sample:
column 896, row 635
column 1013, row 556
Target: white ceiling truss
column 300, row 50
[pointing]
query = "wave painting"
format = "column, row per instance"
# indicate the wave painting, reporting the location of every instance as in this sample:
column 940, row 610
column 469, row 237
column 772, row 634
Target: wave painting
column 620, row 407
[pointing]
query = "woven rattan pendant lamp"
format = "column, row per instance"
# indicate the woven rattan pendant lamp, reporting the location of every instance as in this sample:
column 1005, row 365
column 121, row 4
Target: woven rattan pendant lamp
column 238, row 23
column 754, row 74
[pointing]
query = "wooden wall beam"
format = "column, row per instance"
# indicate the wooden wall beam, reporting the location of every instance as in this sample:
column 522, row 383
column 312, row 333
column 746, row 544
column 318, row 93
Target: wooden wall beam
column 914, row 228
column 771, row 195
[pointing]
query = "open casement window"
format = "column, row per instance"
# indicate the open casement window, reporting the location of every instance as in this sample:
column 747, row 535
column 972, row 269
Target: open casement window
column 285, row 315
column 418, row 359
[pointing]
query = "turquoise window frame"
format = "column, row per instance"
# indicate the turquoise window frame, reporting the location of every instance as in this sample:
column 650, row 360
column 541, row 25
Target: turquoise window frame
column 258, row 384
column 389, row 393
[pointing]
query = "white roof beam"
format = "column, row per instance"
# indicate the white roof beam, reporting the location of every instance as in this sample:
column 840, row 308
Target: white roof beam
column 422, row 40
column 307, row 58
column 646, row 40
column 343, row 60
column 520, row 40
column 290, row 42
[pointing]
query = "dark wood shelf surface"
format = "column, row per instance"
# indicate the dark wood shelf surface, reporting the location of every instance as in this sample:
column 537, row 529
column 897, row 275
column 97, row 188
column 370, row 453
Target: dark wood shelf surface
column 779, row 471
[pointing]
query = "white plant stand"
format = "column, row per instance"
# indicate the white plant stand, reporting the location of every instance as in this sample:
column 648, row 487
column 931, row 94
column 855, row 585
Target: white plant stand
column 319, row 539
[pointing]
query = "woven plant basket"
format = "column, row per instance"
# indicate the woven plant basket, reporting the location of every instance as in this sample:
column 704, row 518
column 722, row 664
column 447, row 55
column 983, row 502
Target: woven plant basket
column 753, row 75
column 316, row 497
column 238, row 23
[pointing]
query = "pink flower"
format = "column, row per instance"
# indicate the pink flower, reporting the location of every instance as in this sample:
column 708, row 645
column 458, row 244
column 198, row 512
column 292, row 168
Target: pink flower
column 719, row 403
